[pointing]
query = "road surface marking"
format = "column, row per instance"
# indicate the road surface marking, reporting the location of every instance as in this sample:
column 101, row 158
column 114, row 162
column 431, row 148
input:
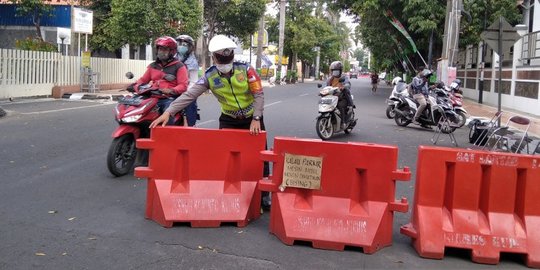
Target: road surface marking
column 66, row 109
column 205, row 122
column 274, row 103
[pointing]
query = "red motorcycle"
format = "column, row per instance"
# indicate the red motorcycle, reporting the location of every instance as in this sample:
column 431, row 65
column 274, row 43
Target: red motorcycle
column 134, row 113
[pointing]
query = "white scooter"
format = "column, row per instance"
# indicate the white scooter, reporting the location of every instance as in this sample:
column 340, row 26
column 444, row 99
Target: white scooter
column 400, row 89
column 330, row 120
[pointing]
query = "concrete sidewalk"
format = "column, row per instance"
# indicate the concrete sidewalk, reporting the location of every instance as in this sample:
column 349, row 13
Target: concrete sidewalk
column 477, row 110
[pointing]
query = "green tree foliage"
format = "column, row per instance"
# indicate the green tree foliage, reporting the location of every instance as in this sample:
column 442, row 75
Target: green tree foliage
column 309, row 25
column 30, row 44
column 237, row 18
column 359, row 55
column 35, row 9
column 420, row 18
column 135, row 22
column 483, row 14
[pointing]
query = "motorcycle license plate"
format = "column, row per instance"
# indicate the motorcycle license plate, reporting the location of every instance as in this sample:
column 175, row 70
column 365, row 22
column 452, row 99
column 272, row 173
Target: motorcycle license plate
column 130, row 101
column 325, row 101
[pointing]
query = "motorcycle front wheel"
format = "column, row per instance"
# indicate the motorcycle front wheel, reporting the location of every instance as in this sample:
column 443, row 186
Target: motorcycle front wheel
column 121, row 155
column 401, row 120
column 325, row 129
column 462, row 117
column 390, row 113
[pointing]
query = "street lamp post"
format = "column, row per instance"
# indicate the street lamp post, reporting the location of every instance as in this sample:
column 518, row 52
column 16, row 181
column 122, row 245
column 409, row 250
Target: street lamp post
column 62, row 37
column 62, row 45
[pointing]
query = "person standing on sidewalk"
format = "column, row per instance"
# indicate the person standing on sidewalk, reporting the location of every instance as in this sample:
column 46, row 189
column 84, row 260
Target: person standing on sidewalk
column 238, row 89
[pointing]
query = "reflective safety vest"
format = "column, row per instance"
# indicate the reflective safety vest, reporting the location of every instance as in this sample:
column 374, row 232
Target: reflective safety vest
column 233, row 93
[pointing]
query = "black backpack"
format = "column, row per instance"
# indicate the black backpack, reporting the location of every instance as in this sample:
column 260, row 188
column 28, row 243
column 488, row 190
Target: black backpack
column 478, row 132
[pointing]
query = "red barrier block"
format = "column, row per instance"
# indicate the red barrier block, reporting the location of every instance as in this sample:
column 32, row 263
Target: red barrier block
column 487, row 202
column 202, row 176
column 355, row 203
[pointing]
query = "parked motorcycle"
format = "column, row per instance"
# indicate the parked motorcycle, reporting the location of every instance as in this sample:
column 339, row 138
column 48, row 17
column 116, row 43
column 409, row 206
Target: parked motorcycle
column 400, row 88
column 330, row 120
column 134, row 113
column 437, row 107
column 456, row 97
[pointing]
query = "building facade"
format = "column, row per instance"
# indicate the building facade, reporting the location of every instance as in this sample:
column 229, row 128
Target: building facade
column 520, row 68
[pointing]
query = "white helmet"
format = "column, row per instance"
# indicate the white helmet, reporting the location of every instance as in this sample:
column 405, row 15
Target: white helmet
column 221, row 42
column 396, row 80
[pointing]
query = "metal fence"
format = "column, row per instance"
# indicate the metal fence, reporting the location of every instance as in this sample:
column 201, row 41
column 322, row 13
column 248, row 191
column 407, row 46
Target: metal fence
column 32, row 73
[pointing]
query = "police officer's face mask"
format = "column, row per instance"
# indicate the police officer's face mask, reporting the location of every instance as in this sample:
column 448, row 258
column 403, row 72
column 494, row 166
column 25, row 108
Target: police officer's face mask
column 336, row 73
column 224, row 68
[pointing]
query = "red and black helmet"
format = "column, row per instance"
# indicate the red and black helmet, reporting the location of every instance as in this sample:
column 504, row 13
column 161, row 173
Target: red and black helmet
column 167, row 42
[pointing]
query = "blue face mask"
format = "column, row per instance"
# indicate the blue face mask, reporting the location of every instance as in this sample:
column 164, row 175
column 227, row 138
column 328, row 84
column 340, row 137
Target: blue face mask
column 182, row 50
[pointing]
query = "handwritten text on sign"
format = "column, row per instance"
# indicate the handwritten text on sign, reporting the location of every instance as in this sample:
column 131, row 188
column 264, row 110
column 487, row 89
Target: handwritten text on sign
column 302, row 172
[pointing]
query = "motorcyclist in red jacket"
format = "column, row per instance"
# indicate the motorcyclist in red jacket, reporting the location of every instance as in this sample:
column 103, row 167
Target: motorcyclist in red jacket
column 167, row 73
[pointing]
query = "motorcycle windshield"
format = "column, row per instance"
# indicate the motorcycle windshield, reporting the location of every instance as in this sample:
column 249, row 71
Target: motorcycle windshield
column 400, row 87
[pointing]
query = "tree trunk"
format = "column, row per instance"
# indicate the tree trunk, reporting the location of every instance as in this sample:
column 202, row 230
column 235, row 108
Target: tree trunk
column 303, row 70
column 281, row 35
column 37, row 22
column 260, row 40
column 201, row 44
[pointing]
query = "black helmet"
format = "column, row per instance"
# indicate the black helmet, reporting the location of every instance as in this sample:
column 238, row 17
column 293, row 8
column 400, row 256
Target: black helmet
column 184, row 40
column 336, row 65
column 426, row 73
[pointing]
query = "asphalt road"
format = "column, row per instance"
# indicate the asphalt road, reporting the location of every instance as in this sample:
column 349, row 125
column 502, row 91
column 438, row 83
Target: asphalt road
column 61, row 209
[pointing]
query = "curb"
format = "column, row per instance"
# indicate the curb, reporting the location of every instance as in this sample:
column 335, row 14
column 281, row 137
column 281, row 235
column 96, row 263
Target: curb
column 81, row 96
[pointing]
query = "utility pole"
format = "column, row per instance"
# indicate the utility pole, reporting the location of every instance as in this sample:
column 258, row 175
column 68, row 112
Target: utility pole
column 451, row 37
column 281, row 35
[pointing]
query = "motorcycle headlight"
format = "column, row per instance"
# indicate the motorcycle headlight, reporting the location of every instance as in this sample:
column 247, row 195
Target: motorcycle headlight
column 324, row 92
column 132, row 118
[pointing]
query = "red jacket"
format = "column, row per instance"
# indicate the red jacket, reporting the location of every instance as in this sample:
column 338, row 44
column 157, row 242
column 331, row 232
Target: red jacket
column 155, row 73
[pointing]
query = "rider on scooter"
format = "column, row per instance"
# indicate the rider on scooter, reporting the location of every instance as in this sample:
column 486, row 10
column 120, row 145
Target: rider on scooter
column 167, row 73
column 337, row 80
column 420, row 90
column 187, row 56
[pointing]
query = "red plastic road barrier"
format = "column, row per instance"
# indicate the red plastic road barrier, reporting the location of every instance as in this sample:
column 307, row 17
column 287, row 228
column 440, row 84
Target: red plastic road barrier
column 483, row 201
column 202, row 176
column 355, row 203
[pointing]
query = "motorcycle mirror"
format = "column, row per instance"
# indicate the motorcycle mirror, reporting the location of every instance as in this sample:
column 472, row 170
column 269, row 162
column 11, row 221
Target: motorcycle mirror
column 129, row 75
column 169, row 77
column 319, row 85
